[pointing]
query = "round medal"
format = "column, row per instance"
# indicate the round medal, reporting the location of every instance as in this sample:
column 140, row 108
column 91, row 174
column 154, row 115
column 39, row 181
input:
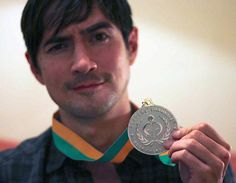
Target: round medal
column 149, row 127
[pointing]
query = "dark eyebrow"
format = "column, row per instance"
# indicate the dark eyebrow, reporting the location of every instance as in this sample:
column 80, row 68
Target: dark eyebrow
column 56, row 39
column 94, row 27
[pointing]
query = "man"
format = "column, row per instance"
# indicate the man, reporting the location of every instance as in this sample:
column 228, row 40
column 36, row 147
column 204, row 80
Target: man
column 82, row 52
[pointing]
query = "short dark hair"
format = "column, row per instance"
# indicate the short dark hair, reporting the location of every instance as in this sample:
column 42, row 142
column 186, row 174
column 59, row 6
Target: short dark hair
column 37, row 18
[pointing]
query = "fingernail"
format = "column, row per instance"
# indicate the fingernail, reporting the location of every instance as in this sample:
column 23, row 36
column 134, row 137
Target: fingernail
column 176, row 134
column 167, row 144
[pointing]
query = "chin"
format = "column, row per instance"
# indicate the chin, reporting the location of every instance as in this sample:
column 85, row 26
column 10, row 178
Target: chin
column 90, row 108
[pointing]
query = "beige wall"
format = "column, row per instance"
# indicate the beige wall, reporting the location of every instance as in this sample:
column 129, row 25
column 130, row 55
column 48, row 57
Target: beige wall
column 186, row 63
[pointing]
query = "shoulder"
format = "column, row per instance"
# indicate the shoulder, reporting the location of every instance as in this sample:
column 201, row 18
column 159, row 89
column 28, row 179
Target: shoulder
column 28, row 148
column 24, row 156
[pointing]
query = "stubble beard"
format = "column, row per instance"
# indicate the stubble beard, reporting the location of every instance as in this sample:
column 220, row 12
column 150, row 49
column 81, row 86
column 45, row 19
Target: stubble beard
column 94, row 107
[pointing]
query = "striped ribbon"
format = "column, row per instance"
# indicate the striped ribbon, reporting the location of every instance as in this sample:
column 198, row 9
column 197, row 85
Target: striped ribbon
column 76, row 148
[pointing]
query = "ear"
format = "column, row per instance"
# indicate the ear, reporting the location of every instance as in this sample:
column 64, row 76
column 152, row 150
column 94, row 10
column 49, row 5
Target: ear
column 133, row 44
column 36, row 72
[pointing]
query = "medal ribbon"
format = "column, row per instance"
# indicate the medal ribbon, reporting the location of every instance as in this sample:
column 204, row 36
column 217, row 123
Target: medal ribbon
column 73, row 146
column 76, row 148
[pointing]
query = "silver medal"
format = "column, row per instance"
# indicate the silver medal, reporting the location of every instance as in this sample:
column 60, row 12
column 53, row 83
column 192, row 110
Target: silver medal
column 149, row 127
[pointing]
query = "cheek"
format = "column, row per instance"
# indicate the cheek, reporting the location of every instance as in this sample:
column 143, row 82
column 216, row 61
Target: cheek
column 121, row 66
column 53, row 76
column 113, row 59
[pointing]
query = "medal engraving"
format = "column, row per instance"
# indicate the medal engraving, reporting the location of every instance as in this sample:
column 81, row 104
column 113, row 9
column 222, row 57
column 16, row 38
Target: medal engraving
column 149, row 127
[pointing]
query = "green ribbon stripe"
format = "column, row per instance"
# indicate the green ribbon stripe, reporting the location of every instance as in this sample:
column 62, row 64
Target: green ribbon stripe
column 115, row 148
column 68, row 149
column 165, row 159
column 75, row 154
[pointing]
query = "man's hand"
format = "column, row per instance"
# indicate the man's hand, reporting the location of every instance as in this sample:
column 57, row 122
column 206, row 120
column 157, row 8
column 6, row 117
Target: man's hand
column 202, row 155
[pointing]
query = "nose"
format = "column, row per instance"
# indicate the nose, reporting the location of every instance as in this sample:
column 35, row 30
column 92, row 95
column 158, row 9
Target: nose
column 82, row 62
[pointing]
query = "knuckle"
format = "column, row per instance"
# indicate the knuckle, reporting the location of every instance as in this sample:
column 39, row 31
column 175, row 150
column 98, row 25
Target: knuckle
column 195, row 133
column 219, row 171
column 203, row 126
column 191, row 143
column 220, row 165
column 226, row 156
column 184, row 153
column 208, row 170
column 228, row 147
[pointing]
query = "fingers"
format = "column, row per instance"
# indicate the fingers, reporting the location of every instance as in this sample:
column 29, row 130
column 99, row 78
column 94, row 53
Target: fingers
column 204, row 128
column 213, row 147
column 188, row 159
column 200, row 152
column 196, row 170
column 203, row 142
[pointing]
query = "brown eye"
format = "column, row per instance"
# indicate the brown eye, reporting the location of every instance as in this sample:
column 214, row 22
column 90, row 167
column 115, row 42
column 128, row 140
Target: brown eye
column 99, row 37
column 57, row 47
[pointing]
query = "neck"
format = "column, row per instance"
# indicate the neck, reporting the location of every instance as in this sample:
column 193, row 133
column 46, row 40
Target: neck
column 101, row 132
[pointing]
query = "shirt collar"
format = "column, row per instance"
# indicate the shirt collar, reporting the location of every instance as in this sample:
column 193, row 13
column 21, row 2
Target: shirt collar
column 55, row 159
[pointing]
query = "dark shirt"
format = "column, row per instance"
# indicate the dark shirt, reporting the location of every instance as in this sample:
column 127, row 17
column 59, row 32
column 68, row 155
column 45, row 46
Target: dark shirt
column 38, row 161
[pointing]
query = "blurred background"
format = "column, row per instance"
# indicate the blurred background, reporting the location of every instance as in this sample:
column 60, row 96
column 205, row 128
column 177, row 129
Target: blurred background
column 186, row 62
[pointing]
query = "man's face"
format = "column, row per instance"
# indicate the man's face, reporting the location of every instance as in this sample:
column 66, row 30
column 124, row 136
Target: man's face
column 86, row 66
